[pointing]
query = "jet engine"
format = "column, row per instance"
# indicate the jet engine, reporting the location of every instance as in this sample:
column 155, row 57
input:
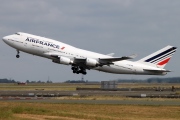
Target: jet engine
column 91, row 62
column 63, row 60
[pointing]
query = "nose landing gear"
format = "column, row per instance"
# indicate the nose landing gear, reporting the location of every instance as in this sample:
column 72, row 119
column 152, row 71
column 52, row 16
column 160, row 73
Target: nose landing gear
column 17, row 56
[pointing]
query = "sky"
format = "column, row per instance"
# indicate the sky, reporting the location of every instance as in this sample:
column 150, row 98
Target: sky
column 123, row 27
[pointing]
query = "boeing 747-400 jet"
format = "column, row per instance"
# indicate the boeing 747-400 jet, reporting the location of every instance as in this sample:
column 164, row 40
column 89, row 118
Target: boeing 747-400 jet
column 82, row 60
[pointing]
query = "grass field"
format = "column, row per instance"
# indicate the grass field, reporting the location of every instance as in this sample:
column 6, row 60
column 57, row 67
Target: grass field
column 68, row 87
column 56, row 111
column 45, row 86
column 46, row 111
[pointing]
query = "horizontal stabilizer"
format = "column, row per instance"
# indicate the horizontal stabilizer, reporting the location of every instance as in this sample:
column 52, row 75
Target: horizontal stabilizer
column 156, row 70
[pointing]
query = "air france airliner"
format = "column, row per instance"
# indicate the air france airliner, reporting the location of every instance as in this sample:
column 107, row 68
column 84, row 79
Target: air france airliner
column 82, row 60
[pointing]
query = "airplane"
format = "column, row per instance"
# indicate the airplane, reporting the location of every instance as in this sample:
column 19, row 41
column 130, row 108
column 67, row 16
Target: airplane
column 82, row 60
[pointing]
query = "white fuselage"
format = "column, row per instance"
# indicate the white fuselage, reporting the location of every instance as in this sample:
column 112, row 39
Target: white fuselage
column 42, row 46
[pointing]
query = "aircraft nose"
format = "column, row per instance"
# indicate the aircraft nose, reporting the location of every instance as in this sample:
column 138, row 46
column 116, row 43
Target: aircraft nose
column 5, row 38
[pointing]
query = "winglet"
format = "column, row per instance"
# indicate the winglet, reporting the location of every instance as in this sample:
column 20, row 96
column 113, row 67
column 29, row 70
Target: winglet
column 110, row 54
column 132, row 56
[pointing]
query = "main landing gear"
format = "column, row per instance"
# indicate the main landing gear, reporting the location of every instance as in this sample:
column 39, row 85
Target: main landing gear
column 17, row 56
column 77, row 70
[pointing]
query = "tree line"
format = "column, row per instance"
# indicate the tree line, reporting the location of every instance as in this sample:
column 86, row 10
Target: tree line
column 149, row 80
column 5, row 80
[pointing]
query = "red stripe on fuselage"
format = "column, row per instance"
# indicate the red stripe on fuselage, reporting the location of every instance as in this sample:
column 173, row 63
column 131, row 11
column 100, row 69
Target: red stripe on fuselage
column 164, row 61
column 62, row 48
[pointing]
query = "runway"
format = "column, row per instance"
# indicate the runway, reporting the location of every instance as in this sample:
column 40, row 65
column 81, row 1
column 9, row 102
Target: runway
column 86, row 93
column 61, row 97
column 110, row 102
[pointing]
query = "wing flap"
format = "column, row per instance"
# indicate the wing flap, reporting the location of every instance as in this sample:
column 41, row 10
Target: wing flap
column 114, row 59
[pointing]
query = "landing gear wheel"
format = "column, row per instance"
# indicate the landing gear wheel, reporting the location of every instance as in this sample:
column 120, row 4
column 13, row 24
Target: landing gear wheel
column 77, row 70
column 74, row 71
column 84, row 73
column 17, row 56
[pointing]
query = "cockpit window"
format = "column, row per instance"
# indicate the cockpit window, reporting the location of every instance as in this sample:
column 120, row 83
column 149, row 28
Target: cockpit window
column 17, row 33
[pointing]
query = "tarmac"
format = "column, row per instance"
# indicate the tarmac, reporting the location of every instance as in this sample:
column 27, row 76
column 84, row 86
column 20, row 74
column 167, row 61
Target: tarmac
column 50, row 97
column 42, row 93
column 110, row 102
column 167, row 94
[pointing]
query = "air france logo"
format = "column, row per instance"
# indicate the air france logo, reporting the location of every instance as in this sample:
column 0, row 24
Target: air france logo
column 42, row 42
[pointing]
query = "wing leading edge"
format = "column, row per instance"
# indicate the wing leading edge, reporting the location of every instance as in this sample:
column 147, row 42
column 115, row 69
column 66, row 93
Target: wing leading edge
column 92, row 62
column 106, row 61
column 103, row 61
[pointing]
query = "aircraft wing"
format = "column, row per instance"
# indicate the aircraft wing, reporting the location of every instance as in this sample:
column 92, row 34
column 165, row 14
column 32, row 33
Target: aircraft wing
column 104, row 61
column 100, row 61
column 117, row 58
column 56, row 55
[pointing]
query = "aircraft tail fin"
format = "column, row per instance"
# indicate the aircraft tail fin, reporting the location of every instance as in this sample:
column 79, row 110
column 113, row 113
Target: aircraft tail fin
column 160, row 58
